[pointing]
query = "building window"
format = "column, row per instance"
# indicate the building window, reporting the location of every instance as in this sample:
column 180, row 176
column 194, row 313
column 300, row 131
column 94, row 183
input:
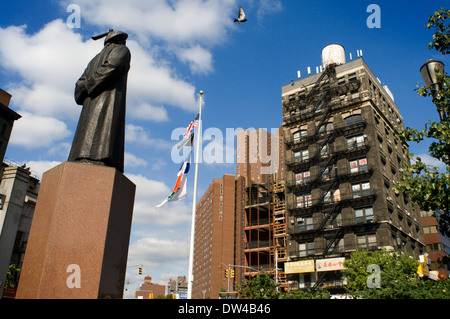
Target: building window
column 332, row 196
column 329, row 171
column 325, row 128
column 304, row 223
column 359, row 165
column 301, row 155
column 304, row 200
column 363, row 215
column 361, row 189
column 353, row 120
column 430, row 230
column 434, row 247
column 366, row 241
column 324, row 150
column 302, row 177
column 306, row 249
column 356, row 141
column 299, row 135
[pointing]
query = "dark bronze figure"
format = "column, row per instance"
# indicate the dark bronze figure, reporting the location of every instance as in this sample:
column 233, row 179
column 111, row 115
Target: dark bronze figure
column 100, row 135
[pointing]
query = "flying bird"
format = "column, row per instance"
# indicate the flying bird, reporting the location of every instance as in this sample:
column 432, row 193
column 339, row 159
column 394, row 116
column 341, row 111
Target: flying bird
column 241, row 17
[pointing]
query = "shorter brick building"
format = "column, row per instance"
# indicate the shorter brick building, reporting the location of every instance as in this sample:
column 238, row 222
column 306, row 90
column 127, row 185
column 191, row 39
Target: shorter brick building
column 149, row 290
column 438, row 245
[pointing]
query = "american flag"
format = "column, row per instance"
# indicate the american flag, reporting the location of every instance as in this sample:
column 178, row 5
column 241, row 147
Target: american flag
column 190, row 127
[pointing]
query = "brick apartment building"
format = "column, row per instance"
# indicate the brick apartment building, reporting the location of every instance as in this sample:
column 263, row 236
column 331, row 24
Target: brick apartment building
column 214, row 243
column 342, row 158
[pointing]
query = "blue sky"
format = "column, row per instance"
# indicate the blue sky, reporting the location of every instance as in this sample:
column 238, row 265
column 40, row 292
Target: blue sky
column 180, row 47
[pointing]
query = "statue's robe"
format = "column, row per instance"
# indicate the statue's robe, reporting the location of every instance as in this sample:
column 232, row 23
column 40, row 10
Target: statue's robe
column 100, row 135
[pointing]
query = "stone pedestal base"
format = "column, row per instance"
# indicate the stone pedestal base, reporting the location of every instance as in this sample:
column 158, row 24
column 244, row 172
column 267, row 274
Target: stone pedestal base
column 78, row 243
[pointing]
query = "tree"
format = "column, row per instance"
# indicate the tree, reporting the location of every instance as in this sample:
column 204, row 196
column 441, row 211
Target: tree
column 395, row 270
column 264, row 287
column 261, row 286
column 397, row 277
column 424, row 184
column 319, row 293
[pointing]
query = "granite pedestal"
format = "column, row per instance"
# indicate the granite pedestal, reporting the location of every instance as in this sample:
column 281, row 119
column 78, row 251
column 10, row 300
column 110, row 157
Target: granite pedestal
column 78, row 243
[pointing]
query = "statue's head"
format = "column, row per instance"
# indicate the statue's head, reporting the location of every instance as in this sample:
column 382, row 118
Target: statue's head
column 116, row 37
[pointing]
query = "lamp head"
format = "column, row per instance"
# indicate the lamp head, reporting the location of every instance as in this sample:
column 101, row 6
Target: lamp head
column 429, row 71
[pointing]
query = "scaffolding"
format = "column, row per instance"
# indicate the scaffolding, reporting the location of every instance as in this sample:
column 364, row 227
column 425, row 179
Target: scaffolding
column 279, row 231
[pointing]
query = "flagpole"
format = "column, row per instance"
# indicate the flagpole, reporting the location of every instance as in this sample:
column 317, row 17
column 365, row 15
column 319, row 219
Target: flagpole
column 194, row 201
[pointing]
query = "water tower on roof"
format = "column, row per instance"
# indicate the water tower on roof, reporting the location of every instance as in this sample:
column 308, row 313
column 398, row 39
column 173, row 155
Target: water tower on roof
column 333, row 54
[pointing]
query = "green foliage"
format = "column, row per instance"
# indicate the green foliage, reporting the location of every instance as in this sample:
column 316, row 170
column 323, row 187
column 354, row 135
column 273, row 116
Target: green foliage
column 11, row 276
column 264, row 287
column 259, row 287
column 396, row 270
column 441, row 38
column 320, row 293
column 426, row 185
column 398, row 279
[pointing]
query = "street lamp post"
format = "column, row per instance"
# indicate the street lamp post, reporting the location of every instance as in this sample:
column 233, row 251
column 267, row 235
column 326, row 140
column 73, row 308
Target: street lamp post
column 430, row 71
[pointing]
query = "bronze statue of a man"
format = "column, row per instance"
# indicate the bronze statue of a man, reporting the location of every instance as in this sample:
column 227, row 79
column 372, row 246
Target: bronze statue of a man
column 100, row 135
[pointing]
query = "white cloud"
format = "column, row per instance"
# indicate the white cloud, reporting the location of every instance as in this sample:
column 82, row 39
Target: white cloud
column 35, row 131
column 161, row 253
column 178, row 21
column 267, row 7
column 162, row 250
column 149, row 112
column 431, row 161
column 152, row 81
column 40, row 167
column 134, row 161
column 150, row 193
column 198, row 58
column 138, row 135
column 158, row 164
column 49, row 62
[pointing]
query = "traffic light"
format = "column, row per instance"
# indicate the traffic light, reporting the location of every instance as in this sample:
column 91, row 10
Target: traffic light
column 231, row 273
column 140, row 270
column 227, row 273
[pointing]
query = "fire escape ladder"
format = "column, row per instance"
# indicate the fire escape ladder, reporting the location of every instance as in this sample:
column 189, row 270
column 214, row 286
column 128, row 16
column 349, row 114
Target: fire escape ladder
column 319, row 280
column 323, row 167
column 318, row 84
column 324, row 194
column 328, row 215
column 337, row 237
column 322, row 144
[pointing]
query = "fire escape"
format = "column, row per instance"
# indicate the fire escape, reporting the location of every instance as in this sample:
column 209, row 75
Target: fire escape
column 325, row 156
